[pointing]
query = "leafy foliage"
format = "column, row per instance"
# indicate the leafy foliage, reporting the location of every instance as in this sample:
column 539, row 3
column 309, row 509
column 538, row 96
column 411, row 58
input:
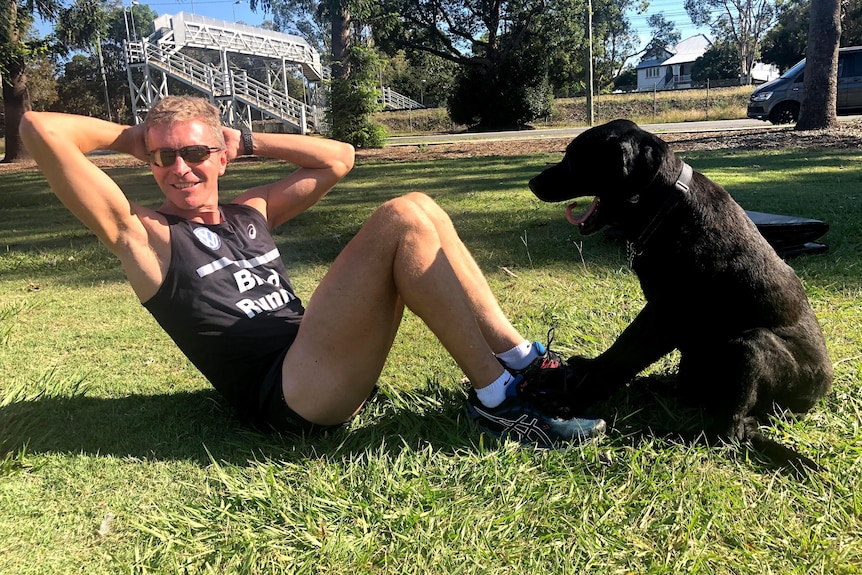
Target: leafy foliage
column 420, row 75
column 787, row 42
column 743, row 23
column 497, row 46
column 508, row 95
column 718, row 62
column 354, row 100
column 79, row 85
column 664, row 34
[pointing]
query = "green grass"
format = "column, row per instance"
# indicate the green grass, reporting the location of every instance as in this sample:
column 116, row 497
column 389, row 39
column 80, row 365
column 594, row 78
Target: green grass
column 118, row 458
column 641, row 107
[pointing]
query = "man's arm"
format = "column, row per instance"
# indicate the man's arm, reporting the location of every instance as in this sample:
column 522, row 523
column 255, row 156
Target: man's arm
column 58, row 143
column 322, row 163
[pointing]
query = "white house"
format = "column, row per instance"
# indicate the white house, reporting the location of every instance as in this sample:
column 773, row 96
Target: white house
column 761, row 73
column 671, row 69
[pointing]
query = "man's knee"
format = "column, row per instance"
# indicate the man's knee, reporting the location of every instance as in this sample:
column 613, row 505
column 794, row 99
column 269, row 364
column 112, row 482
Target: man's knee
column 409, row 211
column 430, row 208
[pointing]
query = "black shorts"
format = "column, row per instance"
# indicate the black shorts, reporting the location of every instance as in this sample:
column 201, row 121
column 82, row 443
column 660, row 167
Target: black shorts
column 275, row 414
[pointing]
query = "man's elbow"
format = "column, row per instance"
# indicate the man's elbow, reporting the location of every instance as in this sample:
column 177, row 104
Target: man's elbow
column 347, row 157
column 26, row 125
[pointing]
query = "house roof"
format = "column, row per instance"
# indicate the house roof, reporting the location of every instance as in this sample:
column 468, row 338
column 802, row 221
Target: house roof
column 689, row 50
column 651, row 63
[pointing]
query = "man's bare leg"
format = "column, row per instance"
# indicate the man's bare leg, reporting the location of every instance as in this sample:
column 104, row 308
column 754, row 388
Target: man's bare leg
column 406, row 254
column 496, row 327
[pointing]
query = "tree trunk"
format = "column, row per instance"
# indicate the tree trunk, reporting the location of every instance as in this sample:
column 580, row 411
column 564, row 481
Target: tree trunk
column 821, row 67
column 16, row 97
column 341, row 43
column 16, row 101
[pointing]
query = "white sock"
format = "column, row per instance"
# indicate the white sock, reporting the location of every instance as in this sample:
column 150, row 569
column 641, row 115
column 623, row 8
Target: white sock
column 494, row 394
column 519, row 356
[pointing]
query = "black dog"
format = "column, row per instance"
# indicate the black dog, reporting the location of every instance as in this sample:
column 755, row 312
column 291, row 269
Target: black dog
column 715, row 289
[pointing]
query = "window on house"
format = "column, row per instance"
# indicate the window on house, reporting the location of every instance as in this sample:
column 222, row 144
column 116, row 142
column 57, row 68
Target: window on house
column 652, row 72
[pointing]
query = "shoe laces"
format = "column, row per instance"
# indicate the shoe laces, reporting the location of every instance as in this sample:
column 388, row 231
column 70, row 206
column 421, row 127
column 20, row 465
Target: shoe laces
column 550, row 359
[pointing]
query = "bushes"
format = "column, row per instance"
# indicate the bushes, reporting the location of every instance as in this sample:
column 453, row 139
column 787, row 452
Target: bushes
column 354, row 100
column 501, row 95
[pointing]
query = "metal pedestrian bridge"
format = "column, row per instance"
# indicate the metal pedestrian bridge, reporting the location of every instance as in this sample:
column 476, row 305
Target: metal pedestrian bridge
column 212, row 56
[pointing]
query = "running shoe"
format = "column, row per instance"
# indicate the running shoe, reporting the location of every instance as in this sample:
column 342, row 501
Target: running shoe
column 519, row 420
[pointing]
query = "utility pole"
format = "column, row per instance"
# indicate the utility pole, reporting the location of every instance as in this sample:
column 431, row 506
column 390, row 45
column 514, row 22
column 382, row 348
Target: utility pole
column 104, row 77
column 590, row 110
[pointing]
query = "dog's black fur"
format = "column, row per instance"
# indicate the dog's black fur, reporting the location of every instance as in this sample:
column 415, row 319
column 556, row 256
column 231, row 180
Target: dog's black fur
column 715, row 289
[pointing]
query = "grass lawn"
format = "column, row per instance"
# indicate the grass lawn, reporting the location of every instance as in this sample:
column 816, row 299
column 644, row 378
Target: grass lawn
column 116, row 456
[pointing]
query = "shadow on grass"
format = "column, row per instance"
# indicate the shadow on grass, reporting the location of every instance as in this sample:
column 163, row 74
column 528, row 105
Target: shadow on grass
column 195, row 426
column 198, row 427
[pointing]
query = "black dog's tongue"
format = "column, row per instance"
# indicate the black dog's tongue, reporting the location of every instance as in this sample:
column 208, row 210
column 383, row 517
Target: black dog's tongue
column 577, row 221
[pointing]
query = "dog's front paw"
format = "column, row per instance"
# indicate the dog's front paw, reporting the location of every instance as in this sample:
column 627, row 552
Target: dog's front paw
column 580, row 367
column 590, row 380
column 552, row 391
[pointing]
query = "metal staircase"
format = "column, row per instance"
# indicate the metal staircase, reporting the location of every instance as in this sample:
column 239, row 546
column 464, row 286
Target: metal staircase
column 392, row 100
column 241, row 98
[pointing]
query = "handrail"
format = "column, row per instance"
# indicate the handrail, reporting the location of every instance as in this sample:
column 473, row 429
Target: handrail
column 395, row 101
column 217, row 82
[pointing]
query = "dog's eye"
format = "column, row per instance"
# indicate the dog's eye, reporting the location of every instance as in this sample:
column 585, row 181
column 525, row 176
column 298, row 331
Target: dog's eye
column 634, row 199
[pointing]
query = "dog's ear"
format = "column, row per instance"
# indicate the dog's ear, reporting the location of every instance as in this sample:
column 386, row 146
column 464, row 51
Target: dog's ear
column 629, row 150
column 635, row 154
column 651, row 155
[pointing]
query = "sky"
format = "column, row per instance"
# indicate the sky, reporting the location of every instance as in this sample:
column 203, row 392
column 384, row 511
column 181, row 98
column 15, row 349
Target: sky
column 239, row 11
column 229, row 10
column 674, row 11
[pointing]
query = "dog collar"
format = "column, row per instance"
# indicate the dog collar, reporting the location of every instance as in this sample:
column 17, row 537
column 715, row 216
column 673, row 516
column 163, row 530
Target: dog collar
column 683, row 181
column 682, row 184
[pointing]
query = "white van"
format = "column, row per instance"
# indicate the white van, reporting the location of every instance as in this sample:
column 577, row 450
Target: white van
column 778, row 101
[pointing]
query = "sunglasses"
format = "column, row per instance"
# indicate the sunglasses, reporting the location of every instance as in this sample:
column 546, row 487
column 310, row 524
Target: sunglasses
column 164, row 157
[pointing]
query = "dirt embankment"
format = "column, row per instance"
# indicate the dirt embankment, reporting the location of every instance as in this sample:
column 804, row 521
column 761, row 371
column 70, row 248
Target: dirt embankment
column 848, row 134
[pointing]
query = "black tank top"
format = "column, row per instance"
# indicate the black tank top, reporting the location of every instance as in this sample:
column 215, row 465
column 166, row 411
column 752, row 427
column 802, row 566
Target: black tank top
column 227, row 302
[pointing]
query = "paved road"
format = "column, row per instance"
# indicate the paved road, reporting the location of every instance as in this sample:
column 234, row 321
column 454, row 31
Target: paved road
column 705, row 126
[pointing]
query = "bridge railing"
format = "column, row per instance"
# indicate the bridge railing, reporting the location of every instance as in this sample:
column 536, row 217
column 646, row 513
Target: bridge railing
column 264, row 96
column 213, row 80
column 392, row 100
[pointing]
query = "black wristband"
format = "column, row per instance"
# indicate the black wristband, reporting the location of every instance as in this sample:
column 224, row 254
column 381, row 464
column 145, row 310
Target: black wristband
column 247, row 142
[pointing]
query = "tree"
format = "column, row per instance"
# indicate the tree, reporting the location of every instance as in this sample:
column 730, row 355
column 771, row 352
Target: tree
column 82, row 26
column 304, row 18
column 851, row 23
column 79, row 88
column 419, row 75
column 359, row 98
column 506, row 95
column 818, row 109
column 81, row 84
column 743, row 23
column 615, row 40
column 787, row 42
column 15, row 51
column 664, row 34
column 490, row 41
column 627, row 79
column 339, row 15
column 719, row 62
column 42, row 82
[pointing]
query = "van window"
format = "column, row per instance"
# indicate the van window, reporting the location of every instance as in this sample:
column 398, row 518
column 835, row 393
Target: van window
column 850, row 65
column 794, row 70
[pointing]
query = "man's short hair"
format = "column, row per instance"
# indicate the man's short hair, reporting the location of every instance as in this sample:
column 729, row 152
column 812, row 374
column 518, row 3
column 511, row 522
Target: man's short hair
column 172, row 109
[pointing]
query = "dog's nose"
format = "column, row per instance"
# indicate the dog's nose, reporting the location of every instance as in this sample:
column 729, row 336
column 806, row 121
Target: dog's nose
column 542, row 184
